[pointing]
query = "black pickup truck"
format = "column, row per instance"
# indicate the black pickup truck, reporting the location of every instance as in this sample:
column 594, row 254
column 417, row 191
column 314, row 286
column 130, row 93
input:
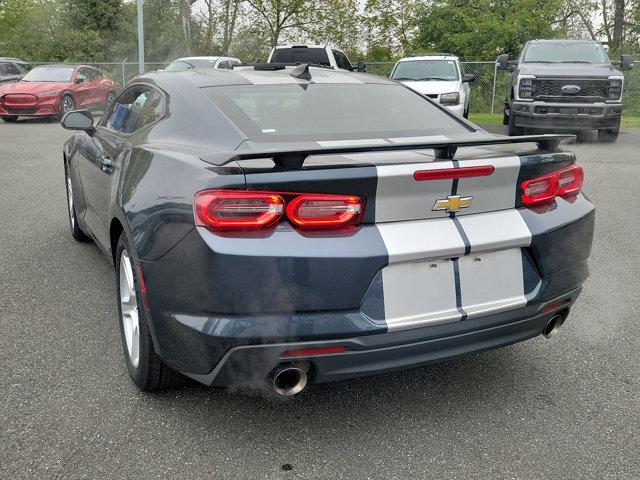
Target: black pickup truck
column 567, row 85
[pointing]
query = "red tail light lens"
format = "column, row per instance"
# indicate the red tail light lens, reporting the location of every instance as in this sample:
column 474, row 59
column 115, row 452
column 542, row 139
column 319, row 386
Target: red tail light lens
column 449, row 173
column 325, row 211
column 567, row 181
column 570, row 180
column 237, row 209
column 539, row 189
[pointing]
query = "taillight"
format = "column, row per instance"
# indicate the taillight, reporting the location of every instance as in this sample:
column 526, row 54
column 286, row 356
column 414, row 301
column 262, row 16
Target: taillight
column 325, row 211
column 237, row 209
column 559, row 183
column 570, row 180
column 252, row 210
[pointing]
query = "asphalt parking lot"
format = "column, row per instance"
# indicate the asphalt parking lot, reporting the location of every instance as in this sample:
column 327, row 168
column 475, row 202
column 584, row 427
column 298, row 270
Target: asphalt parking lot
column 564, row 408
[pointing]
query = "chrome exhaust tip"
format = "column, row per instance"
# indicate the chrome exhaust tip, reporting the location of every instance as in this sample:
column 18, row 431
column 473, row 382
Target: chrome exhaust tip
column 289, row 380
column 554, row 325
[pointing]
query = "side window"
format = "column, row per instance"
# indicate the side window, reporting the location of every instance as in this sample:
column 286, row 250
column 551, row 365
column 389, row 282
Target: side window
column 94, row 74
column 225, row 65
column 135, row 108
column 8, row 69
column 342, row 60
column 82, row 76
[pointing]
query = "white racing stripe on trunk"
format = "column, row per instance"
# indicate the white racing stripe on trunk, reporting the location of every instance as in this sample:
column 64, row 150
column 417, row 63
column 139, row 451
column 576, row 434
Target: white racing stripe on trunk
column 494, row 192
column 492, row 282
column 418, row 294
column 415, row 292
column 495, row 230
column 400, row 197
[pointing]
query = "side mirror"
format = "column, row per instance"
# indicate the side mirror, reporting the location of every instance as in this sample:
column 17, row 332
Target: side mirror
column 78, row 120
column 468, row 78
column 361, row 67
column 79, row 80
column 626, row 62
column 503, row 61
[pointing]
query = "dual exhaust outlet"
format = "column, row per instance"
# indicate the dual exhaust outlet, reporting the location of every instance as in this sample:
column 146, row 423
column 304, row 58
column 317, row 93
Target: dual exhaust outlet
column 553, row 327
column 290, row 379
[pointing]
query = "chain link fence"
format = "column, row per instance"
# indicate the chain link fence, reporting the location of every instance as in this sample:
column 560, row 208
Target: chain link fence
column 487, row 92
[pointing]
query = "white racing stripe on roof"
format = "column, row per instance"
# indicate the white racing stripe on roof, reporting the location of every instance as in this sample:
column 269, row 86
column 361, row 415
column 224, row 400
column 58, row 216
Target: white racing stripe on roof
column 350, row 143
column 425, row 139
column 318, row 75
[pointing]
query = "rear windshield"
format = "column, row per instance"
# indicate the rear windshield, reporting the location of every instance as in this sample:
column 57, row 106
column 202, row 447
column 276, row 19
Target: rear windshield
column 49, row 74
column 331, row 111
column 189, row 64
column 560, row 52
column 425, row 70
column 300, row 55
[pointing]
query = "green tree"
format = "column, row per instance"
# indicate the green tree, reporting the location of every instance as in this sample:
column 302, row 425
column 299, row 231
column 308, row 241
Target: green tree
column 482, row 29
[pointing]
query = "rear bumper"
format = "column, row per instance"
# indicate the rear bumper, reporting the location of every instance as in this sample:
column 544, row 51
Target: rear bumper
column 217, row 306
column 567, row 116
column 250, row 365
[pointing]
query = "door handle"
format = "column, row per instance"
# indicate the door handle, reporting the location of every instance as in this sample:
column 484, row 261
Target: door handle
column 106, row 164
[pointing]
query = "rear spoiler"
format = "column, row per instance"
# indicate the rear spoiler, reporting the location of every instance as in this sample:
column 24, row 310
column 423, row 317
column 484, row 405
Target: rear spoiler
column 444, row 150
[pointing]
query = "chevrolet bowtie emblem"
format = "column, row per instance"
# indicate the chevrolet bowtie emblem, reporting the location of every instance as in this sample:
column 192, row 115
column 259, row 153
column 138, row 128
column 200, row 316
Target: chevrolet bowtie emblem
column 452, row 204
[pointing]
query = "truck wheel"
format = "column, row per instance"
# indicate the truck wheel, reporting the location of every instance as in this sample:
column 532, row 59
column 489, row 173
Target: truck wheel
column 609, row 135
column 146, row 369
column 514, row 131
column 505, row 117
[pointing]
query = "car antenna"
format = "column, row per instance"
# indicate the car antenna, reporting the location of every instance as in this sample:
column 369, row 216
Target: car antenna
column 301, row 71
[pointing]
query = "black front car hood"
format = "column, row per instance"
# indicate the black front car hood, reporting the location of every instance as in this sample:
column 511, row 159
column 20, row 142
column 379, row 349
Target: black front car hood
column 570, row 70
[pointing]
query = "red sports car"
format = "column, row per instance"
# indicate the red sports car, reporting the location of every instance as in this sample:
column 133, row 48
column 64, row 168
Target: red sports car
column 52, row 90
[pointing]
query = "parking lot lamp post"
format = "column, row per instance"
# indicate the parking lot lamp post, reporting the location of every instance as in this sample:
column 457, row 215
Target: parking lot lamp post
column 140, row 37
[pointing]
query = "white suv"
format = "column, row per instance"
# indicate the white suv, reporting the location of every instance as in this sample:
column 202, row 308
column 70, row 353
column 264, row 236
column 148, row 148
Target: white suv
column 438, row 76
column 318, row 54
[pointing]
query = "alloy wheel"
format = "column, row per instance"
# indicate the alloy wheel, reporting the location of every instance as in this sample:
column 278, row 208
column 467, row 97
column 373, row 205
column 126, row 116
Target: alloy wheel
column 67, row 104
column 72, row 212
column 129, row 309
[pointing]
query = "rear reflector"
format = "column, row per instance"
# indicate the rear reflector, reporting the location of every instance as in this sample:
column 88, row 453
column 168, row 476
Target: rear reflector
column 237, row 209
column 449, row 173
column 325, row 211
column 309, row 352
column 555, row 306
column 559, row 183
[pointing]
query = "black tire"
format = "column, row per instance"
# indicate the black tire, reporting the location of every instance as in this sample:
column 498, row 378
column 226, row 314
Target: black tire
column 67, row 104
column 514, row 131
column 76, row 231
column 505, row 117
column 9, row 118
column 465, row 114
column 610, row 135
column 150, row 374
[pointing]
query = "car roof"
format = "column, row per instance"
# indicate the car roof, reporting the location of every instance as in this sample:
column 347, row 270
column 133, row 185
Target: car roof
column 563, row 40
column 213, row 59
column 303, row 45
column 434, row 56
column 248, row 75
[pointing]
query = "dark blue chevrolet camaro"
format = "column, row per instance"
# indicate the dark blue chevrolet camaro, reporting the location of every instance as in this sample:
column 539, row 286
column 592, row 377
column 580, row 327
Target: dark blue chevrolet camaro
column 280, row 226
